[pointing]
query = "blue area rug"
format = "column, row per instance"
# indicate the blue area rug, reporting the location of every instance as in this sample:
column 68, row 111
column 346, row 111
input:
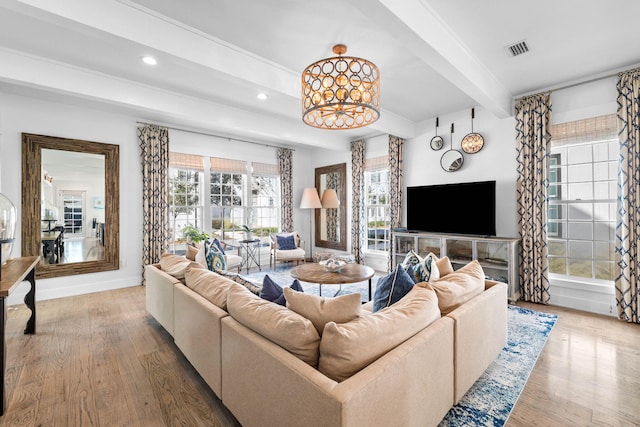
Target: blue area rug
column 490, row 400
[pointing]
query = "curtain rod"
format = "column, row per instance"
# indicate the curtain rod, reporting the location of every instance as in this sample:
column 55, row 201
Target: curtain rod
column 591, row 79
column 217, row 136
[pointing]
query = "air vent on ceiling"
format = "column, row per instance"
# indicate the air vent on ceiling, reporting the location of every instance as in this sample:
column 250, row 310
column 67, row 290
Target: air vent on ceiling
column 518, row 48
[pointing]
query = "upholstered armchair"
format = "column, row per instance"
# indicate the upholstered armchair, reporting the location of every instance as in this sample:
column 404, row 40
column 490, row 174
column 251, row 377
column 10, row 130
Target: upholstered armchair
column 286, row 247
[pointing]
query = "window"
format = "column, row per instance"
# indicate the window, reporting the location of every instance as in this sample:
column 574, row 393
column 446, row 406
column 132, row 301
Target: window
column 234, row 205
column 376, row 177
column 185, row 195
column 227, row 192
column 265, row 198
column 582, row 198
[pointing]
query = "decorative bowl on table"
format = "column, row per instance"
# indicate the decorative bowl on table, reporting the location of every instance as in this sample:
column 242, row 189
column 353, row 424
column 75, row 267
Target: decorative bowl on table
column 332, row 265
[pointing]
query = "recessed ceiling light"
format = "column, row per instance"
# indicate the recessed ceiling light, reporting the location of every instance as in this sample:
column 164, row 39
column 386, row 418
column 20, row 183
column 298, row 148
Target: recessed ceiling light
column 262, row 96
column 149, row 60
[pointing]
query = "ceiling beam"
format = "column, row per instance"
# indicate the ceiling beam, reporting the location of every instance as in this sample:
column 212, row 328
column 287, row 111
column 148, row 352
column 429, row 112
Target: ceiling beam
column 416, row 24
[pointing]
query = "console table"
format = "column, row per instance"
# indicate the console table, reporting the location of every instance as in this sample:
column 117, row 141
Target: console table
column 14, row 272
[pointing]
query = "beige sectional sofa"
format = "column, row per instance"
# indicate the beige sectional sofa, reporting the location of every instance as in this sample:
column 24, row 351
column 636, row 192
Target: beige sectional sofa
column 264, row 381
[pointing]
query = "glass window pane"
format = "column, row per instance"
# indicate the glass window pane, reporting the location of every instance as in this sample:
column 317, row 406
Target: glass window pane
column 580, row 268
column 580, row 211
column 580, row 173
column 604, row 250
column 580, row 231
column 579, row 154
column 604, row 231
column 580, row 191
column 578, row 249
column 557, row 247
column 558, row 265
column 604, row 270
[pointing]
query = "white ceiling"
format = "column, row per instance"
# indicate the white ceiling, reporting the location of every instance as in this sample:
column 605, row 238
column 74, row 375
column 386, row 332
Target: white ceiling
column 214, row 56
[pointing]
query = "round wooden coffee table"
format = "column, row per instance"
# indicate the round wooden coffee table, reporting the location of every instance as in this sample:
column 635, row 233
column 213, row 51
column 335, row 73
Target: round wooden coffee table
column 350, row 273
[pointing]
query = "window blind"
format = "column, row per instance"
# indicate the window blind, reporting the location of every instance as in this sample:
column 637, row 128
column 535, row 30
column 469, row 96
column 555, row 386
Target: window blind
column 599, row 128
column 186, row 161
column 376, row 163
column 228, row 165
column 264, row 169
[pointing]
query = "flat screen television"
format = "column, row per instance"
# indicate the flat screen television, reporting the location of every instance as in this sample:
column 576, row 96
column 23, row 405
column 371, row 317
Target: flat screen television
column 464, row 208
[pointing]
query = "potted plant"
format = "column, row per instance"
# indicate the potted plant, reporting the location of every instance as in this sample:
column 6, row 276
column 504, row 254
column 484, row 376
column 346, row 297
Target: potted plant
column 248, row 232
column 193, row 235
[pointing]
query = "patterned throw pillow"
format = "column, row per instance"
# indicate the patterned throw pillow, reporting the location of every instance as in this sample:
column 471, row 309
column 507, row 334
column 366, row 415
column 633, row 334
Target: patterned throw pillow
column 215, row 258
column 412, row 259
column 391, row 288
column 427, row 270
column 254, row 287
column 273, row 292
column 218, row 245
column 286, row 243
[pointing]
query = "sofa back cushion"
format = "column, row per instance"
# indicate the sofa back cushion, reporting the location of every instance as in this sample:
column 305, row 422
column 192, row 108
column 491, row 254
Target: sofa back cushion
column 208, row 284
column 320, row 310
column 175, row 265
column 458, row 287
column 276, row 323
column 347, row 348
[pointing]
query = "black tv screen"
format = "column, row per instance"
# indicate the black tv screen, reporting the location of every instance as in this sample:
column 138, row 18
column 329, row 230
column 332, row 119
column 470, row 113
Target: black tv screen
column 465, row 208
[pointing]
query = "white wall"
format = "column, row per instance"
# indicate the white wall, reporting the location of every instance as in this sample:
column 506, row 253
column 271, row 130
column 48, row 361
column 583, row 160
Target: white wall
column 24, row 114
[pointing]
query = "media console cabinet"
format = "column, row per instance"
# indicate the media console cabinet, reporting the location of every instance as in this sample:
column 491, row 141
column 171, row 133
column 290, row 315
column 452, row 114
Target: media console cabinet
column 497, row 255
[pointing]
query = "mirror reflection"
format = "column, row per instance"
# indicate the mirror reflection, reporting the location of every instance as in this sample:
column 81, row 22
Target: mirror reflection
column 331, row 222
column 451, row 160
column 72, row 206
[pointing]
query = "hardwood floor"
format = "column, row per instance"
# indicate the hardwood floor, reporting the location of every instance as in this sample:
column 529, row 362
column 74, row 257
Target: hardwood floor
column 588, row 373
column 102, row 360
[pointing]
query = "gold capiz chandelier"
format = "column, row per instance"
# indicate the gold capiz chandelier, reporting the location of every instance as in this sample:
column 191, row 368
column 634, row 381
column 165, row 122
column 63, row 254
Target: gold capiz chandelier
column 342, row 92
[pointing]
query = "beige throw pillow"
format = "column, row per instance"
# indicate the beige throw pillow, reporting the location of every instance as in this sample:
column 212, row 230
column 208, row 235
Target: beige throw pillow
column 174, row 265
column 208, row 284
column 347, row 348
column 458, row 287
column 444, row 266
column 276, row 323
column 192, row 251
column 321, row 310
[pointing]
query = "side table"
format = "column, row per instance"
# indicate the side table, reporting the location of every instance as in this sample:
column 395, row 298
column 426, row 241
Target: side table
column 14, row 272
column 250, row 252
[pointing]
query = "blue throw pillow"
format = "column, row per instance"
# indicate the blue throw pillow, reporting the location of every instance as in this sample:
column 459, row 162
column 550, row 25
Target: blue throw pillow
column 391, row 288
column 286, row 243
column 215, row 258
column 218, row 245
column 273, row 292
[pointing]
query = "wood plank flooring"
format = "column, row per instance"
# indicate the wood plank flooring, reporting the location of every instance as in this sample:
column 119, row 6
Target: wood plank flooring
column 102, row 360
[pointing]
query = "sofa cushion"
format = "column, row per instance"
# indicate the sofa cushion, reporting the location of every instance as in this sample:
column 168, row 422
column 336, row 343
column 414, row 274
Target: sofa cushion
column 209, row 284
column 296, row 238
column 444, row 266
column 427, row 269
column 215, row 258
column 286, row 243
column 391, row 288
column 349, row 347
column 273, row 292
column 218, row 244
column 321, row 310
column 458, row 287
column 254, row 287
column 411, row 259
column 276, row 323
column 174, row 265
column 192, row 252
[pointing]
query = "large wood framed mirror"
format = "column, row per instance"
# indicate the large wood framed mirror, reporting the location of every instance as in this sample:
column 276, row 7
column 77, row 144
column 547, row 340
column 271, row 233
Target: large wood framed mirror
column 331, row 224
column 70, row 205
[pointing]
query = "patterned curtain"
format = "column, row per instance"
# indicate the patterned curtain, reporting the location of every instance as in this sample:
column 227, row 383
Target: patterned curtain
column 285, row 166
column 357, row 200
column 532, row 146
column 628, row 220
column 333, row 220
column 395, row 186
column 154, row 156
